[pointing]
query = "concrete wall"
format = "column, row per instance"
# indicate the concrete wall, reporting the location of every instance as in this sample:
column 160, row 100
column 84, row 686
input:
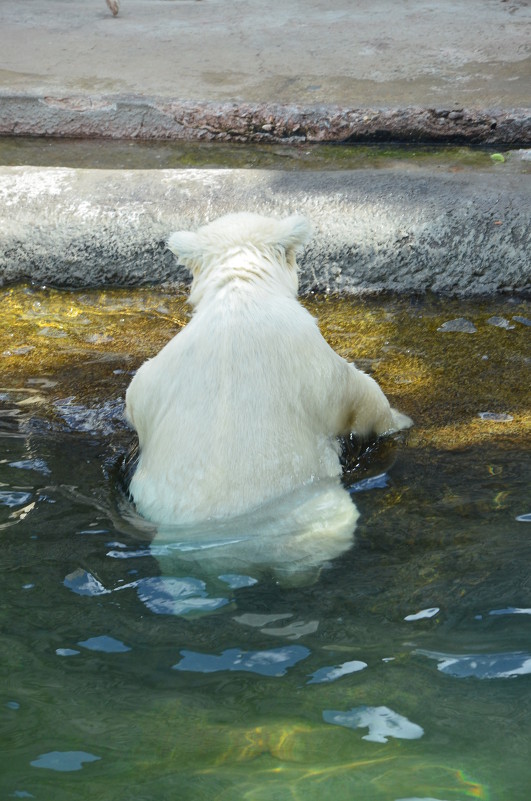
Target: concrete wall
column 463, row 233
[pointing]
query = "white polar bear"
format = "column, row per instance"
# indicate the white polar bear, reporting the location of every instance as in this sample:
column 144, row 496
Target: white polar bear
column 245, row 404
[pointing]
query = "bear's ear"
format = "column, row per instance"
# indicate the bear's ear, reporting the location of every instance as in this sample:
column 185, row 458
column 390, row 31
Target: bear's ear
column 186, row 246
column 294, row 232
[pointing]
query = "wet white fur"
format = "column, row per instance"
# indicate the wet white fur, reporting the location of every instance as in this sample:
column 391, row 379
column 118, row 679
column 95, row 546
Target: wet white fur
column 244, row 405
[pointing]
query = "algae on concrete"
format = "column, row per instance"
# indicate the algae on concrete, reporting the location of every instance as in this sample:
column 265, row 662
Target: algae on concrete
column 145, row 155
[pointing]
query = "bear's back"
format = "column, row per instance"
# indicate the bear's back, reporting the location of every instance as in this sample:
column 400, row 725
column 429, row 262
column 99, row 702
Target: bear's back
column 232, row 411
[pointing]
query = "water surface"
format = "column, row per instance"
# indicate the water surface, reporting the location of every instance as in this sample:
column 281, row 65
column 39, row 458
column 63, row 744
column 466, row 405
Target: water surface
column 400, row 669
column 126, row 154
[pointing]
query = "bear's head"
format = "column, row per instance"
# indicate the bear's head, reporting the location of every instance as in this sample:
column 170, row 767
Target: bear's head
column 242, row 246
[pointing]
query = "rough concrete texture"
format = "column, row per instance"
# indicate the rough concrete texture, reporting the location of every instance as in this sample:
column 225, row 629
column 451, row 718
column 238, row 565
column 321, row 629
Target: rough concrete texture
column 251, row 70
column 404, row 231
column 153, row 118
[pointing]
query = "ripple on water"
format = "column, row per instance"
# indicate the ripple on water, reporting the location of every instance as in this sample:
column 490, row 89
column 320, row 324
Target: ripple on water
column 236, row 580
column 105, row 418
column 273, row 662
column 380, row 481
column 104, row 643
column 13, row 498
column 510, row 610
column 162, row 595
column 177, row 596
column 39, row 465
column 328, row 674
column 83, row 583
column 64, row 761
column 293, row 630
column 482, row 666
column 381, row 721
column 423, row 614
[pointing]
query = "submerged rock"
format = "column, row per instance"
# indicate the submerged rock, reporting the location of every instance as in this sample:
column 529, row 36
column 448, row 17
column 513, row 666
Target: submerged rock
column 522, row 320
column 496, row 417
column 500, row 322
column 459, row 325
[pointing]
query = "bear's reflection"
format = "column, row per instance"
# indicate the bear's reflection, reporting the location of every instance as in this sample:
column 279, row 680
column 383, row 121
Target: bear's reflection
column 289, row 539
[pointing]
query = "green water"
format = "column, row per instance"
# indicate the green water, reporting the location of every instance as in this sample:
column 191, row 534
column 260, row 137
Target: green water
column 240, row 687
column 124, row 154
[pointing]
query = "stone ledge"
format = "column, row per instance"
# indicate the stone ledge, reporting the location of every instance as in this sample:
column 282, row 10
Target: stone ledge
column 461, row 234
column 137, row 117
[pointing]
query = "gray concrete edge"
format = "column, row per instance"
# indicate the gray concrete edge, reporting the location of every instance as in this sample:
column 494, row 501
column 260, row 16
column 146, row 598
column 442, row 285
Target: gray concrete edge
column 139, row 117
column 464, row 234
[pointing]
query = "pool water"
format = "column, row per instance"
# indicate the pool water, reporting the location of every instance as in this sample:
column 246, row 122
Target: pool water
column 152, row 154
column 399, row 668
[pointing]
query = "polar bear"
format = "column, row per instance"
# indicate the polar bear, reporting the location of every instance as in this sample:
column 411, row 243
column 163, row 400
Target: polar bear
column 244, row 406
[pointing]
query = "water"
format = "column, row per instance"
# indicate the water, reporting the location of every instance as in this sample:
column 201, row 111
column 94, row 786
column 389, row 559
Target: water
column 398, row 669
column 126, row 154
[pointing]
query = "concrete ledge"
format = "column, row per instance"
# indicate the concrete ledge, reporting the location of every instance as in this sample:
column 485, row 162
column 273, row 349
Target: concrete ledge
column 136, row 117
column 463, row 234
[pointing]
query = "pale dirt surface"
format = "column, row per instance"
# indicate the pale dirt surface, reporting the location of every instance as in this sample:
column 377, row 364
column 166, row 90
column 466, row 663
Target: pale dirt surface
column 349, row 52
